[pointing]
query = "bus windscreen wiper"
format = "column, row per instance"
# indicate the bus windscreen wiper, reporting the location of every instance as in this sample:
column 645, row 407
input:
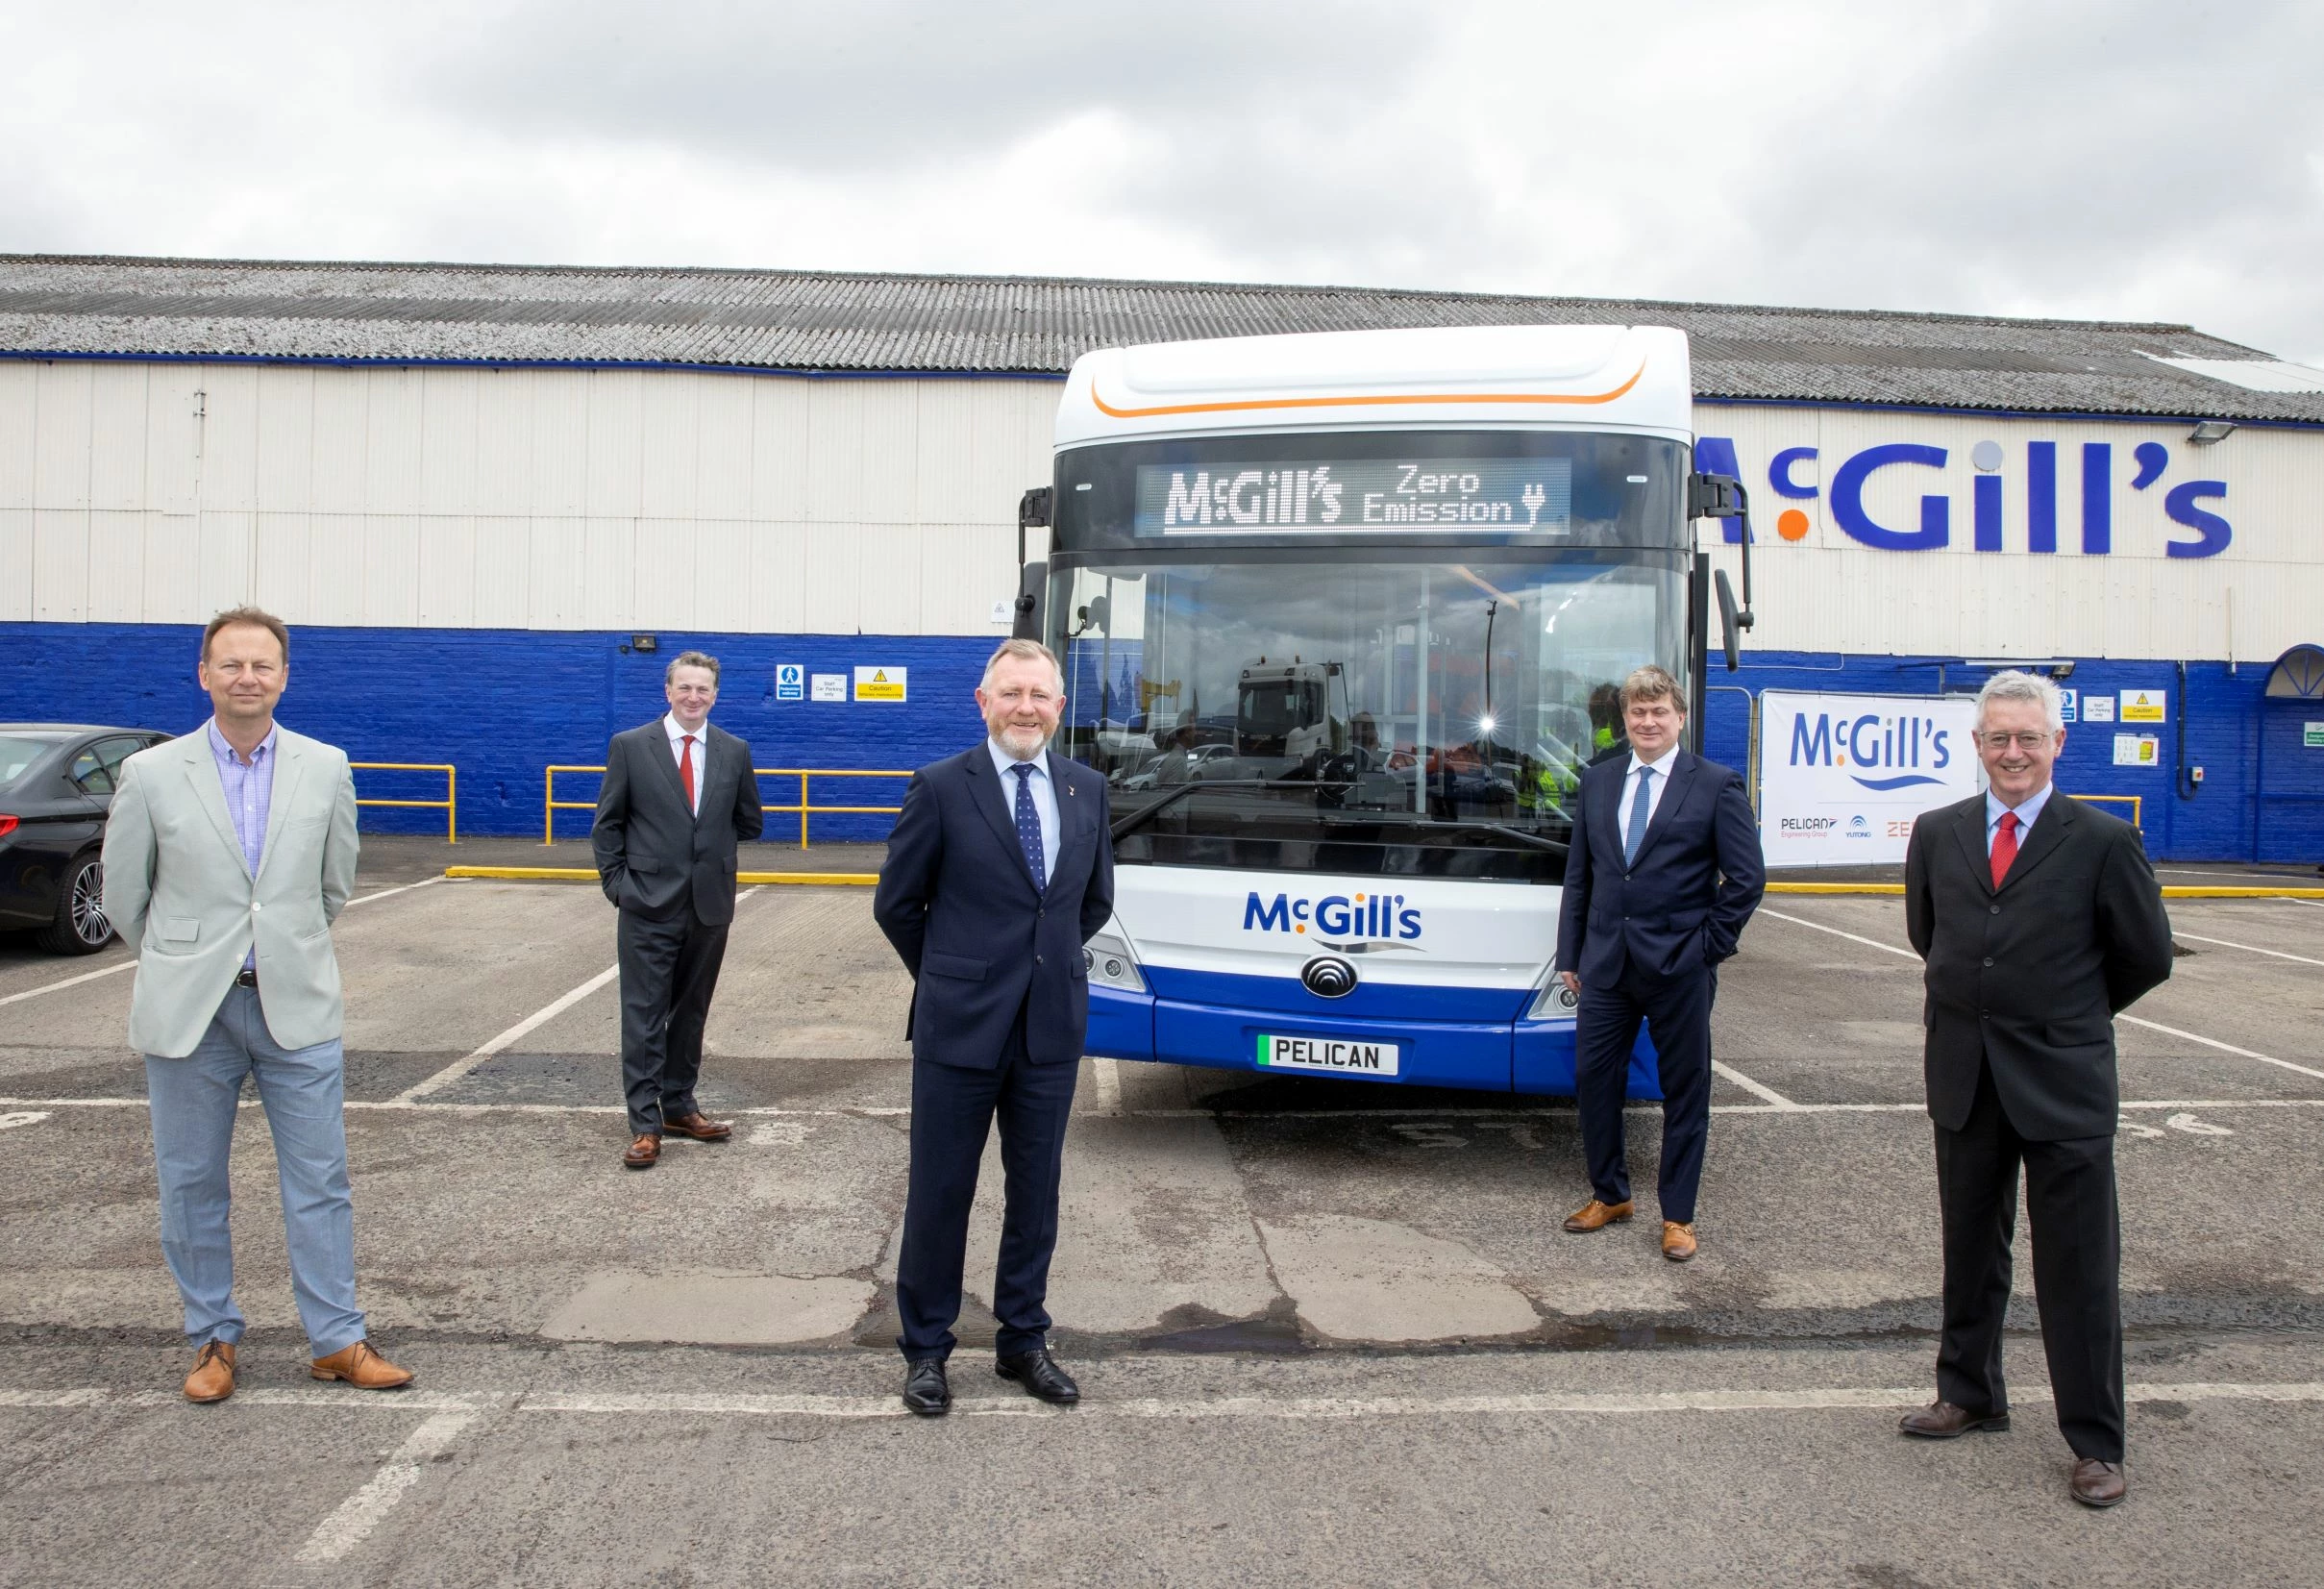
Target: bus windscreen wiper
column 1138, row 818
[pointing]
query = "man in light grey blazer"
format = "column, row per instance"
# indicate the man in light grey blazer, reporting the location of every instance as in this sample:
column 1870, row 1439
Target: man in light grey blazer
column 227, row 857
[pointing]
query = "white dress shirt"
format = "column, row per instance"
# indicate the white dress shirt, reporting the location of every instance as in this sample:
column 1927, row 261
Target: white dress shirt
column 2026, row 813
column 677, row 730
column 1660, row 782
column 1045, row 799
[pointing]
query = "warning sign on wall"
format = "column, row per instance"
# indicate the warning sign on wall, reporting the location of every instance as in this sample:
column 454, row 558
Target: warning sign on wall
column 2143, row 706
column 879, row 683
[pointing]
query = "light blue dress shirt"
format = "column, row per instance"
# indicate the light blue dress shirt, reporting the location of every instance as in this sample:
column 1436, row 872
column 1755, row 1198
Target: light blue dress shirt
column 249, row 798
column 1044, row 797
column 2026, row 813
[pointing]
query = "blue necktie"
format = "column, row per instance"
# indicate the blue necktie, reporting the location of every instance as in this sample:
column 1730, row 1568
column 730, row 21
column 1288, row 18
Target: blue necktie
column 1639, row 809
column 1028, row 824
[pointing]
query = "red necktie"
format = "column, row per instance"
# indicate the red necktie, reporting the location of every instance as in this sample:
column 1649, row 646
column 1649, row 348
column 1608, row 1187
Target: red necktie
column 685, row 776
column 2005, row 846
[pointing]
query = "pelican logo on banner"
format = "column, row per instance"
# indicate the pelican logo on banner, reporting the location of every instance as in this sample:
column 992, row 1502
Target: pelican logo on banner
column 1842, row 777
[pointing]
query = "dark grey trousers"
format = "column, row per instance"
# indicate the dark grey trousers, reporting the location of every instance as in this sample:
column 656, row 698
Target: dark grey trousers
column 669, row 969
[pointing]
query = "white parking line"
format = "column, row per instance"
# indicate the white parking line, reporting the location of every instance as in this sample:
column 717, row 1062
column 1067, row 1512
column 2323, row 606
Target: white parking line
column 131, row 964
column 2248, row 949
column 1105, row 1086
column 363, row 1511
column 1755, row 1088
column 532, row 1023
column 461, row 1410
column 2133, row 1020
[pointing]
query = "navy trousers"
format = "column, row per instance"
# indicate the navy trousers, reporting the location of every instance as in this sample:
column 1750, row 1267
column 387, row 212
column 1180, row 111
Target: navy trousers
column 952, row 1113
column 2070, row 1191
column 1676, row 1011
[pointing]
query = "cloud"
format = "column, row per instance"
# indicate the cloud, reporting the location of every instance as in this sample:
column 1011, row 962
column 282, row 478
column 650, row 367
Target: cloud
column 2136, row 159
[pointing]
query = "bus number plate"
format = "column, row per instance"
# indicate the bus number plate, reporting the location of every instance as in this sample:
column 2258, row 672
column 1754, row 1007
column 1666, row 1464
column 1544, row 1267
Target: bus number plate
column 1329, row 1055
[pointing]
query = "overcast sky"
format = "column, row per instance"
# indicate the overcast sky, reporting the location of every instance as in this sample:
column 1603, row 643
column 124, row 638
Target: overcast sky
column 2148, row 160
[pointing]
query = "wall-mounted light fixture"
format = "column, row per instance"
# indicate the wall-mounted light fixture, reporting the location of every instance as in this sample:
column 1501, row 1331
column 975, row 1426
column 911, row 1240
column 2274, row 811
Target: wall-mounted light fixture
column 643, row 642
column 2211, row 430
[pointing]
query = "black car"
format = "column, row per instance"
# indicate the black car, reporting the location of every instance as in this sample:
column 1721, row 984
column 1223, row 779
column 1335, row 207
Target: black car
column 56, row 785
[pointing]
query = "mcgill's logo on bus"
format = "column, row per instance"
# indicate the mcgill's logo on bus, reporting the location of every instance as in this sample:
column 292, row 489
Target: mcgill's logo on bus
column 1335, row 917
column 1896, row 746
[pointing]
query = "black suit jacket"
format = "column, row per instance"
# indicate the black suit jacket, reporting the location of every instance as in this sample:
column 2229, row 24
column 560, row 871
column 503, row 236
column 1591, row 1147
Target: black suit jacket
column 957, row 900
column 652, row 855
column 1697, row 878
column 2028, row 977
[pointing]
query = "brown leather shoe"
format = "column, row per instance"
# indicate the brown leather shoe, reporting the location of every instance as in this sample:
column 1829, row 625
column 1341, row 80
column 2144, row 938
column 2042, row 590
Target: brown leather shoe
column 212, row 1375
column 1678, row 1241
column 1595, row 1215
column 1943, row 1421
column 2097, row 1483
column 698, row 1126
column 362, row 1368
column 644, row 1152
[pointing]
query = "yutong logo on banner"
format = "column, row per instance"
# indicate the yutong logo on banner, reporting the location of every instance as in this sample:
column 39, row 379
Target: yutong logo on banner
column 1844, row 776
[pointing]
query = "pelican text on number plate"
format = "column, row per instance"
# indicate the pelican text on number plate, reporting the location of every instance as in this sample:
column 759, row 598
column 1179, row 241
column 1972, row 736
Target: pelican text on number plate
column 1337, row 1055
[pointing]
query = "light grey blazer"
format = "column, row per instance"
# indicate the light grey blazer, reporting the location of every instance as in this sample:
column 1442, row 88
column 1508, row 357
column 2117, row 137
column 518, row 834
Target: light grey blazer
column 177, row 889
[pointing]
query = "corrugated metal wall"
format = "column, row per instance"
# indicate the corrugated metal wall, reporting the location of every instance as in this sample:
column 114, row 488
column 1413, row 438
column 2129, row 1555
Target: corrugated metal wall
column 516, row 498
column 639, row 499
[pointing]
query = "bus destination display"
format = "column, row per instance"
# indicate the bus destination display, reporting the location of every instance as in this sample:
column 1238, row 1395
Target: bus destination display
column 1508, row 494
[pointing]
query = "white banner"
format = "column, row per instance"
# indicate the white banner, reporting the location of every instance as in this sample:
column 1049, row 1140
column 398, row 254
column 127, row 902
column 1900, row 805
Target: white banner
column 1842, row 778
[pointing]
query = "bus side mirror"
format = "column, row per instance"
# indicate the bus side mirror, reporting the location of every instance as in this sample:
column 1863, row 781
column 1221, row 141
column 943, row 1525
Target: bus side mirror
column 1031, row 579
column 1727, row 618
column 1714, row 497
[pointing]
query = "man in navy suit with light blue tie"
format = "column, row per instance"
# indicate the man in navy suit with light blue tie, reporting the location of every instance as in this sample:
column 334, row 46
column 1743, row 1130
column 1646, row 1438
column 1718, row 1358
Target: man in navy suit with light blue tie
column 1663, row 872
column 1000, row 867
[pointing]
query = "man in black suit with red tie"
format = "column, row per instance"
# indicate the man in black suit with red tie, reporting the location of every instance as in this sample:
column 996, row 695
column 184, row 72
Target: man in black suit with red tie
column 2041, row 921
column 1000, row 867
column 678, row 798
column 1662, row 872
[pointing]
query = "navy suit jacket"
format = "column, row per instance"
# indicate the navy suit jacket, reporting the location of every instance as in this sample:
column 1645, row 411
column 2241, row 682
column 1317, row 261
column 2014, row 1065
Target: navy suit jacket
column 654, row 855
column 1697, row 881
column 957, row 900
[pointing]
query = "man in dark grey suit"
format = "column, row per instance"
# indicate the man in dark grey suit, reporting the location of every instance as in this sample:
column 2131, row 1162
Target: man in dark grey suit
column 2041, row 921
column 679, row 796
column 1000, row 869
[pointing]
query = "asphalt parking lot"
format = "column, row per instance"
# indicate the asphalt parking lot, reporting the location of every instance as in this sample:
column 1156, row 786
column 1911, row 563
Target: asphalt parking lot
column 1328, row 1332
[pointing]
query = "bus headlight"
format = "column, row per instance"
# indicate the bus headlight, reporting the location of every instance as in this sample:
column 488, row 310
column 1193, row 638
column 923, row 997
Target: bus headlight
column 1556, row 1002
column 1111, row 965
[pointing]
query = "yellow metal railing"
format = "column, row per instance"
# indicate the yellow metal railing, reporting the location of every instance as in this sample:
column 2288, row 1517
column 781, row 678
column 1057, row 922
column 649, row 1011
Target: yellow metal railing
column 551, row 805
column 2132, row 801
column 449, row 805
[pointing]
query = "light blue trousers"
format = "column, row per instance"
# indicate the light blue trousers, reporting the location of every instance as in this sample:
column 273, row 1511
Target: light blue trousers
column 193, row 1107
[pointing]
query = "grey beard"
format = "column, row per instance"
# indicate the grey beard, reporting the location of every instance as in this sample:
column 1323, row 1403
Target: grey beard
column 1015, row 755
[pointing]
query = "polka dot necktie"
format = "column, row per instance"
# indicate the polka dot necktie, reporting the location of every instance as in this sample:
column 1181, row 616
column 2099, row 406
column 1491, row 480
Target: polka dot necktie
column 1028, row 825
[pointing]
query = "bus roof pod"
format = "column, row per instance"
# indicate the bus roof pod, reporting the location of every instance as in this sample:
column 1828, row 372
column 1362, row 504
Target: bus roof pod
column 1633, row 379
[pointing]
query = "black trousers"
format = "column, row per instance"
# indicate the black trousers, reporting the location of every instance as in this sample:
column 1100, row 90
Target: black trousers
column 669, row 969
column 952, row 1113
column 2070, row 1192
column 1676, row 1011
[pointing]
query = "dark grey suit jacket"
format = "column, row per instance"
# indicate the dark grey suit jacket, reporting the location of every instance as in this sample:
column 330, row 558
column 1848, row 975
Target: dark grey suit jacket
column 652, row 855
column 2028, row 977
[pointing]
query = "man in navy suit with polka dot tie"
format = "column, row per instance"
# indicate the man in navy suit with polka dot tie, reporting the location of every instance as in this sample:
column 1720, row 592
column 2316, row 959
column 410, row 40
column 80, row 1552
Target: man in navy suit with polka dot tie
column 1000, row 869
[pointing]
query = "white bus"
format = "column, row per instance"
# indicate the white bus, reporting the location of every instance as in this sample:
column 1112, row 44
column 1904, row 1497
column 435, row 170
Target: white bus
column 1341, row 617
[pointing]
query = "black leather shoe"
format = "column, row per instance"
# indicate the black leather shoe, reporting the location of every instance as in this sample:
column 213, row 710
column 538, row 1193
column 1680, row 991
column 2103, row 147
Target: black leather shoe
column 926, row 1389
column 1040, row 1375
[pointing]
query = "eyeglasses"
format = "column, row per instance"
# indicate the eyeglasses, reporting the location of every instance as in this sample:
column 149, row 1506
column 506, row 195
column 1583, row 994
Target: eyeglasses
column 2023, row 741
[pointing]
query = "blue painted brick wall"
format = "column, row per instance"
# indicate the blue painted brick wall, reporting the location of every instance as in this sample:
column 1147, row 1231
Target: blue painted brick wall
column 502, row 704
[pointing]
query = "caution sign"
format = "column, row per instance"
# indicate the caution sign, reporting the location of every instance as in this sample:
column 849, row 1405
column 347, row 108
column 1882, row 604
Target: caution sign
column 879, row 683
column 2143, row 706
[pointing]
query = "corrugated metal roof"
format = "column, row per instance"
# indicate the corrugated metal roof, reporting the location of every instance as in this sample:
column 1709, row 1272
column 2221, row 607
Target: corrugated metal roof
column 839, row 322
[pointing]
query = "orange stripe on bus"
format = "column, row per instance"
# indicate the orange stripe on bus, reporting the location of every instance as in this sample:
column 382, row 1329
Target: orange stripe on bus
column 1385, row 398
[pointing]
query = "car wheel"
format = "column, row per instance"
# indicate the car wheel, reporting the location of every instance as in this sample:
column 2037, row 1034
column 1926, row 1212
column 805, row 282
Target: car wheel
column 79, row 927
